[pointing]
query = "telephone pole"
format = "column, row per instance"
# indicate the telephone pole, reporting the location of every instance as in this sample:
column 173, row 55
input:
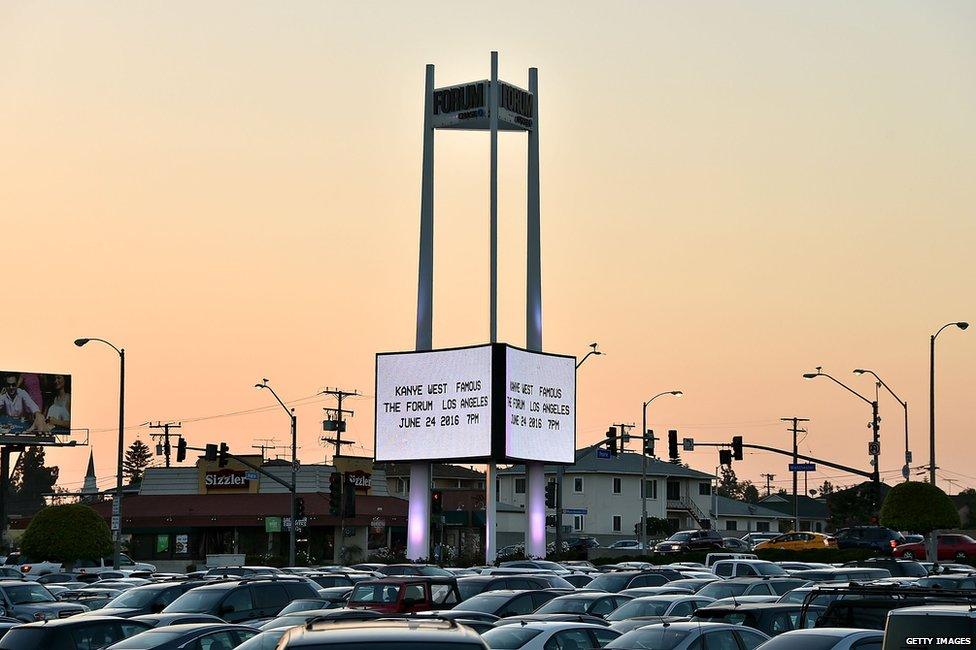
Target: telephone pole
column 624, row 436
column 265, row 445
column 164, row 435
column 335, row 418
column 795, row 429
column 769, row 478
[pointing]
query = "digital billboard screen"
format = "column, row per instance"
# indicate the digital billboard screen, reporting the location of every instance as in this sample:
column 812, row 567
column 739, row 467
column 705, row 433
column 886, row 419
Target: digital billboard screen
column 487, row 402
column 434, row 405
column 540, row 406
column 34, row 403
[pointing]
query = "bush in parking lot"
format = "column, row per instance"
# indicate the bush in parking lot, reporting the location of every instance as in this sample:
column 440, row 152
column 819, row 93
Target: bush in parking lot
column 919, row 508
column 66, row 534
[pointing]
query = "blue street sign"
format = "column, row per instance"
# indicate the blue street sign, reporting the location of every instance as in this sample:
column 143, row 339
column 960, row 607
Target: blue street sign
column 574, row 511
column 603, row 453
column 803, row 467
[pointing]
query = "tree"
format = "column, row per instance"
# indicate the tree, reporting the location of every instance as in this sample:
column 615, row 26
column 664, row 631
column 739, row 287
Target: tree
column 826, row 488
column 918, row 507
column 30, row 481
column 137, row 459
column 750, row 494
column 728, row 484
column 46, row 536
column 967, row 507
column 852, row 506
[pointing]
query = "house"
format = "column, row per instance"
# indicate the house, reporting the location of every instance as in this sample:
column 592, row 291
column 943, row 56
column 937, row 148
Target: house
column 602, row 495
column 739, row 517
column 813, row 513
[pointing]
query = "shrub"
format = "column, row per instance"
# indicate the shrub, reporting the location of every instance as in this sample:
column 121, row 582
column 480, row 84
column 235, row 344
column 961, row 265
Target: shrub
column 66, row 534
column 918, row 507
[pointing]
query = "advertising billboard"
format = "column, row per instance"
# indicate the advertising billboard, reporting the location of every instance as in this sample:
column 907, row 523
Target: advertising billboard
column 480, row 403
column 34, row 404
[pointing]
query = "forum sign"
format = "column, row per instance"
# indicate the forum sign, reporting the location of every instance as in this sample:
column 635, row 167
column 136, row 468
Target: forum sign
column 483, row 403
column 465, row 107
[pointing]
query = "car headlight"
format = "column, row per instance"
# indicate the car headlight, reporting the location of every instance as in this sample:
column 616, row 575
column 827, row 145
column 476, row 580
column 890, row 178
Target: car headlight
column 40, row 616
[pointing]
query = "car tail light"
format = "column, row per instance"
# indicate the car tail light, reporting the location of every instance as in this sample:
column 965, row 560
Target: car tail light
column 893, row 543
column 25, row 568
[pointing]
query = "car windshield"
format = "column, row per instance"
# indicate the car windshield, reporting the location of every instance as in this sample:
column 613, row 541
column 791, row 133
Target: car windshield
column 134, row 598
column 375, row 593
column 721, row 589
column 565, row 606
column 770, row 569
column 288, row 621
column 264, row 641
column 639, row 608
column 610, row 582
column 196, row 601
column 303, row 605
column 802, row 642
column 680, row 537
column 486, row 603
column 649, row 638
column 509, row 637
column 150, row 639
column 28, row 593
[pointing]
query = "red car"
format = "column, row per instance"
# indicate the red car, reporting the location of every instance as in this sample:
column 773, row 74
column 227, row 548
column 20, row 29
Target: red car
column 405, row 594
column 951, row 547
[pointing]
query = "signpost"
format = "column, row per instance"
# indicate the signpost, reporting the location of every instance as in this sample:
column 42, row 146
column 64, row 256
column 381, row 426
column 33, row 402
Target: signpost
column 803, row 467
column 272, row 524
column 603, row 454
column 575, row 511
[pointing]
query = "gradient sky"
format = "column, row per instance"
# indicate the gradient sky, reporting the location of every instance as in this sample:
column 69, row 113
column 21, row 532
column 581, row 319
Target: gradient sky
column 732, row 194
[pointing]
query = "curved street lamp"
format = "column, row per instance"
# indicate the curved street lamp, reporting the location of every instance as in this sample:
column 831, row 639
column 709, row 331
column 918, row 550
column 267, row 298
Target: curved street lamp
column 675, row 393
column 117, row 502
column 294, row 478
column 961, row 325
column 592, row 352
column 908, row 454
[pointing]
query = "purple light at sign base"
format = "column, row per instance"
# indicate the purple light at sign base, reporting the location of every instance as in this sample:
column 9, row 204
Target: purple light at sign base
column 418, row 512
column 536, row 510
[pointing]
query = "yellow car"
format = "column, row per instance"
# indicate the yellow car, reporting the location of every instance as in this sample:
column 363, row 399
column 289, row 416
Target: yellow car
column 798, row 542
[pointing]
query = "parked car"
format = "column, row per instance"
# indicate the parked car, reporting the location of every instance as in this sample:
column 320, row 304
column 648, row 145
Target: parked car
column 241, row 600
column 690, row 540
column 241, row 572
column 383, row 635
column 594, row 603
column 616, row 581
column 749, row 587
column 470, row 586
column 162, row 620
column 545, row 565
column 769, row 618
column 579, row 580
column 413, row 570
column 804, row 541
column 399, row 595
column 146, row 599
column 264, row 640
column 504, row 603
column 712, row 558
column 627, row 544
column 843, row 574
column 898, row 568
column 686, row 635
column 538, row 635
column 951, row 547
column 946, row 621
column 29, row 601
column 336, row 579
column 827, row 638
column 877, row 538
column 212, row 636
column 949, row 581
column 76, row 633
column 747, row 568
column 653, row 609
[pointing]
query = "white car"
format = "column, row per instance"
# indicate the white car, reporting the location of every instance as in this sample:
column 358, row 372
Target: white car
column 828, row 638
column 539, row 635
column 33, row 568
column 685, row 635
column 632, row 544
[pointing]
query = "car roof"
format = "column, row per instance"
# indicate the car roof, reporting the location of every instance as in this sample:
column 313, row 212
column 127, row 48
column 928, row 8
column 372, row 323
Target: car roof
column 760, row 606
column 584, row 595
column 74, row 620
column 379, row 631
column 664, row 597
column 952, row 610
column 560, row 625
column 836, row 632
column 447, row 580
column 691, row 626
column 203, row 627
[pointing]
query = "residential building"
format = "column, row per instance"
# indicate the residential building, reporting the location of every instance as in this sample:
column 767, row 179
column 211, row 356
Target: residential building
column 736, row 518
column 813, row 513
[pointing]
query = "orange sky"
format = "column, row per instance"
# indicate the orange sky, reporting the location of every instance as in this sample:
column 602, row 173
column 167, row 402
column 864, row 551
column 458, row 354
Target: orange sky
column 732, row 194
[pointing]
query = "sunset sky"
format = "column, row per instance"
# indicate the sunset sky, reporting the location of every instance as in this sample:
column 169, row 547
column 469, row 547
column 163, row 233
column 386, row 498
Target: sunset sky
column 733, row 193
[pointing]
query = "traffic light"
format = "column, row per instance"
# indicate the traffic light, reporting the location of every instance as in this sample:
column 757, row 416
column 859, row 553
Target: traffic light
column 299, row 507
column 612, row 440
column 222, row 455
column 649, row 442
column 348, row 498
column 737, row 447
column 335, row 494
column 551, row 494
column 673, row 444
column 725, row 456
column 436, row 502
column 181, row 450
column 210, row 452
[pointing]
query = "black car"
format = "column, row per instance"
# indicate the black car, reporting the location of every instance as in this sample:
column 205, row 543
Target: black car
column 691, row 540
column 508, row 602
column 897, row 568
column 594, row 603
column 414, row 570
column 615, row 581
column 769, row 618
column 327, row 580
column 242, row 600
column 877, row 538
column 147, row 599
column 213, row 636
column 80, row 632
column 384, row 635
column 749, row 587
column 473, row 585
column 162, row 620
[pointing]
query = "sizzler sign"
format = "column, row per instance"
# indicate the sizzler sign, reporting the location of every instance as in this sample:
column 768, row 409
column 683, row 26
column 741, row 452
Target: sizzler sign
column 226, row 479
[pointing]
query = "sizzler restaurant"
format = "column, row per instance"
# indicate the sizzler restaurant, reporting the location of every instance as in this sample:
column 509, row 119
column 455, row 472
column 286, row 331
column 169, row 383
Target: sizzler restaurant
column 182, row 514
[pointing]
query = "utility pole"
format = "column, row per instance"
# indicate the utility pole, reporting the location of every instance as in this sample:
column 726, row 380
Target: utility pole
column 624, row 436
column 164, row 435
column 769, row 478
column 335, row 419
column 795, row 430
column 265, row 445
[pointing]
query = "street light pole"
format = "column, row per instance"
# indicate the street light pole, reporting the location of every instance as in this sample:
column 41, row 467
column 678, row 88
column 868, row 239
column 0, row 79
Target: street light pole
column 294, row 467
column 876, row 439
column 961, row 325
column 117, row 502
column 908, row 454
column 643, row 490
